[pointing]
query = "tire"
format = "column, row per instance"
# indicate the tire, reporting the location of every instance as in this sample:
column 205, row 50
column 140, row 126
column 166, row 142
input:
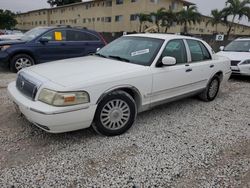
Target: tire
column 20, row 61
column 115, row 114
column 212, row 89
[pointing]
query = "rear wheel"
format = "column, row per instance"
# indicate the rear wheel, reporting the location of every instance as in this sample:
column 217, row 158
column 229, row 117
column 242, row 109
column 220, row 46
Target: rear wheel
column 115, row 114
column 21, row 61
column 210, row 93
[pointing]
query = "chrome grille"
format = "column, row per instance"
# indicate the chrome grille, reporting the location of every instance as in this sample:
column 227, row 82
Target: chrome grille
column 27, row 85
column 234, row 63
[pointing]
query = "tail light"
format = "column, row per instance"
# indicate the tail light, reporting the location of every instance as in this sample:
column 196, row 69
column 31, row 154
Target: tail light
column 102, row 38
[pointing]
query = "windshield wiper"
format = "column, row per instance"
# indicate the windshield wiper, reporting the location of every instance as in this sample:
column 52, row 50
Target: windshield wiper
column 119, row 58
column 100, row 55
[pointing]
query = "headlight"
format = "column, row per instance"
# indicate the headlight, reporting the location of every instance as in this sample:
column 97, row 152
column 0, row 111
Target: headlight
column 246, row 62
column 4, row 47
column 63, row 98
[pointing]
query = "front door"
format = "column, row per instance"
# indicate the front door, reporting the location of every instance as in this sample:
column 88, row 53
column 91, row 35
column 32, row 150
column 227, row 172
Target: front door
column 55, row 49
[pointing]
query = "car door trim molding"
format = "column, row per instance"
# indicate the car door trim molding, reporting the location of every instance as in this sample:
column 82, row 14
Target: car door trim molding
column 165, row 91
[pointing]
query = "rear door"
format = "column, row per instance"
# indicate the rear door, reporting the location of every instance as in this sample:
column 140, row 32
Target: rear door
column 200, row 63
column 82, row 43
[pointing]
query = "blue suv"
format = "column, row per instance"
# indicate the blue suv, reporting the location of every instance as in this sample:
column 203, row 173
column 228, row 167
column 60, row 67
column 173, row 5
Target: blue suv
column 44, row 44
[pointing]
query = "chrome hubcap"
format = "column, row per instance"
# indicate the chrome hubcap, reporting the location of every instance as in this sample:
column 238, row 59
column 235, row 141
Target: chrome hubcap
column 213, row 88
column 115, row 114
column 22, row 63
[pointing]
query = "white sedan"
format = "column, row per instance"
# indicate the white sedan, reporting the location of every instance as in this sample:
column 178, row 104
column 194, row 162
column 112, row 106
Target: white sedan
column 238, row 52
column 106, row 91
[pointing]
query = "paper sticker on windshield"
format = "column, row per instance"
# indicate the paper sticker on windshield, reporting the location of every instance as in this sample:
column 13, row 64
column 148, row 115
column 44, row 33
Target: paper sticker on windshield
column 58, row 36
column 140, row 52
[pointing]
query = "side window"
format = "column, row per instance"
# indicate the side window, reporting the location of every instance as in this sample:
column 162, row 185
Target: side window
column 55, row 35
column 205, row 51
column 176, row 49
column 80, row 36
column 198, row 51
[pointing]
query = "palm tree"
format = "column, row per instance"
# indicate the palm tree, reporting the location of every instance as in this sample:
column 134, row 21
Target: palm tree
column 168, row 19
column 216, row 19
column 142, row 19
column 188, row 16
column 236, row 9
column 157, row 17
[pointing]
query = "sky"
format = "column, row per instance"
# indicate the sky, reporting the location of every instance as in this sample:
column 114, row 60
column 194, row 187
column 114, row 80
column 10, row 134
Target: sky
column 204, row 6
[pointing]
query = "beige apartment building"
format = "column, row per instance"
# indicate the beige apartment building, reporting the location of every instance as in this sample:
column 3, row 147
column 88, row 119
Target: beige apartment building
column 114, row 16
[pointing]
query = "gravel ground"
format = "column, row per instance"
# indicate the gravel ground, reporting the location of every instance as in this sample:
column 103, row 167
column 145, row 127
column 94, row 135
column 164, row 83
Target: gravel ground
column 187, row 143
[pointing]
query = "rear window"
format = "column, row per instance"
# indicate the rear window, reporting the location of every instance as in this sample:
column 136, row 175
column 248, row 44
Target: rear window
column 80, row 36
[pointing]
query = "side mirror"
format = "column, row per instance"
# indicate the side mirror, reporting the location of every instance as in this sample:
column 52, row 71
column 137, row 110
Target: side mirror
column 222, row 48
column 168, row 61
column 43, row 40
column 98, row 49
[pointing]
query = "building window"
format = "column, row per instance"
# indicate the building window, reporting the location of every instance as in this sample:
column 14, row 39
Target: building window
column 119, row 2
column 93, row 19
column 174, row 5
column 133, row 17
column 118, row 18
column 98, row 19
column 84, row 20
column 108, row 19
column 109, row 3
column 89, row 20
column 102, row 19
column 154, row 1
column 133, row 1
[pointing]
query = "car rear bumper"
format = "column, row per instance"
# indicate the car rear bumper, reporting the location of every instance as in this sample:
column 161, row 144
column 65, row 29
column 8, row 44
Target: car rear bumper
column 49, row 118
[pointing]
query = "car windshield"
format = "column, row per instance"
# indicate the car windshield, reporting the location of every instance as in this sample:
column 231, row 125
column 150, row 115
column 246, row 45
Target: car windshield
column 136, row 50
column 33, row 33
column 238, row 46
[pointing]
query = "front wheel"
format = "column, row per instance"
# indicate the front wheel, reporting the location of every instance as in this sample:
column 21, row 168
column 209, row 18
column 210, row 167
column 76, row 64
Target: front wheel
column 212, row 89
column 115, row 114
column 20, row 61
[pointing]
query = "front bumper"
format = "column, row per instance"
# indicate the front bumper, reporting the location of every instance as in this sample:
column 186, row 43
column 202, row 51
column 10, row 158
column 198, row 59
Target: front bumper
column 241, row 70
column 4, row 58
column 52, row 119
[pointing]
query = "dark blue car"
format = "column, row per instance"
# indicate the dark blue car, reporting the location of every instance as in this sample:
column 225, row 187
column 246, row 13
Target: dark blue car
column 44, row 44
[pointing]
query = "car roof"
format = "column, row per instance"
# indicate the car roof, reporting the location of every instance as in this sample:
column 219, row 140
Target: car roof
column 163, row 36
column 243, row 39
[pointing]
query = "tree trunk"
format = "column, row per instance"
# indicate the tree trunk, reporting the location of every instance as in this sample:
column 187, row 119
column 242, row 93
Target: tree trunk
column 166, row 29
column 185, row 28
column 140, row 27
column 230, row 27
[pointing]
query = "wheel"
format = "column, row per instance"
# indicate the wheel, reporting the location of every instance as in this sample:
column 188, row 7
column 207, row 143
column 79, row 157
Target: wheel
column 21, row 61
column 115, row 114
column 210, row 93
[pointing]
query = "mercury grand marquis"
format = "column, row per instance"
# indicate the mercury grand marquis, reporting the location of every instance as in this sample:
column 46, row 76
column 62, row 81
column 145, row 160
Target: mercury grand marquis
column 106, row 91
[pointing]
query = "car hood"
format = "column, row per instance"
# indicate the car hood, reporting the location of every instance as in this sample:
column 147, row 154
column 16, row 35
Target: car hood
column 89, row 69
column 11, row 42
column 235, row 56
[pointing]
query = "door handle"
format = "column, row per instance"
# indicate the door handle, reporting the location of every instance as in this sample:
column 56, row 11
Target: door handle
column 211, row 66
column 189, row 70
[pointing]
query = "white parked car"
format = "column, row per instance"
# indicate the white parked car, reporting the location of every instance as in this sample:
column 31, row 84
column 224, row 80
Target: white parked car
column 106, row 91
column 238, row 52
column 11, row 37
